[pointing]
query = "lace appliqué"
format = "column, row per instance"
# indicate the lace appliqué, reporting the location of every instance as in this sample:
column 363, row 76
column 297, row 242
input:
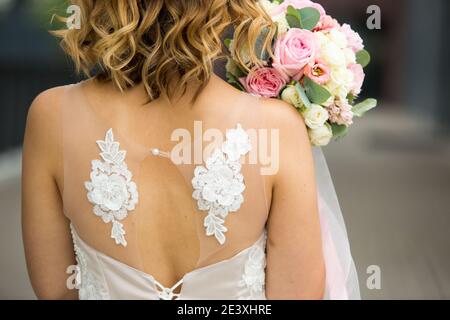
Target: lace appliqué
column 89, row 288
column 111, row 190
column 218, row 186
column 254, row 276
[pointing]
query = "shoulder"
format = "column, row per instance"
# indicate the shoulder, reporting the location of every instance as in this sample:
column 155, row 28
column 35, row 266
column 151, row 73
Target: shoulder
column 281, row 113
column 45, row 108
column 294, row 143
column 43, row 127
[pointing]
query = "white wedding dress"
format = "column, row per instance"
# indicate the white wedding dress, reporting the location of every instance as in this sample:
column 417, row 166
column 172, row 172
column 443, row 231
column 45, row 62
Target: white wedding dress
column 109, row 177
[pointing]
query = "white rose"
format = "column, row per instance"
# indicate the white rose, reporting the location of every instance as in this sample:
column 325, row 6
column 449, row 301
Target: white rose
column 315, row 116
column 336, row 90
column 322, row 136
column 339, row 38
column 332, row 54
column 343, row 77
column 291, row 96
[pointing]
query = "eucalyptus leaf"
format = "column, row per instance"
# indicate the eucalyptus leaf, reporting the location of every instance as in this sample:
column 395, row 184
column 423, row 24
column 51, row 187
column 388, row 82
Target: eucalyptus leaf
column 363, row 58
column 316, row 93
column 306, row 18
column 293, row 17
column 234, row 81
column 293, row 12
column 309, row 17
column 361, row 108
column 339, row 131
column 293, row 21
column 302, row 94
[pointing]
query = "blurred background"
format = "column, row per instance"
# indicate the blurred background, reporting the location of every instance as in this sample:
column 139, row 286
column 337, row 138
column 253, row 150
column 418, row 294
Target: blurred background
column 392, row 172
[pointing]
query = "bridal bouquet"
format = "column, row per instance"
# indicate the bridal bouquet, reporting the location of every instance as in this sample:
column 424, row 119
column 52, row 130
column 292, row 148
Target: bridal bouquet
column 317, row 66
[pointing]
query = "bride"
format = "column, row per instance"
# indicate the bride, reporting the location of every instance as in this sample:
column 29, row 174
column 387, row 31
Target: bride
column 155, row 179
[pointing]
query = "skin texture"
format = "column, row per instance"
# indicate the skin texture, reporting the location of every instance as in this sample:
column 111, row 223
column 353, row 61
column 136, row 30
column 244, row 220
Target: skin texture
column 295, row 267
column 47, row 240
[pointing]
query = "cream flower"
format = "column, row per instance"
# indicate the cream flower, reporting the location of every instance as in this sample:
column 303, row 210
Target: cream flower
column 339, row 38
column 315, row 116
column 332, row 54
column 342, row 77
column 321, row 136
column 291, row 96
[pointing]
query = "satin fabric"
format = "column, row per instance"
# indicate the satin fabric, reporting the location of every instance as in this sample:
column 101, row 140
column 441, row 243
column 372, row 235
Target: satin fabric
column 119, row 281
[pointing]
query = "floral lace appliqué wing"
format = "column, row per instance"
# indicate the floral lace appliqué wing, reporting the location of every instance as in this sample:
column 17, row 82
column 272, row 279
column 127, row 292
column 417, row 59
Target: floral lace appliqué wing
column 218, row 186
column 111, row 190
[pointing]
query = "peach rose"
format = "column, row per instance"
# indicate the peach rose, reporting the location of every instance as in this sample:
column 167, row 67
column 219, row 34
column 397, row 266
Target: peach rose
column 264, row 82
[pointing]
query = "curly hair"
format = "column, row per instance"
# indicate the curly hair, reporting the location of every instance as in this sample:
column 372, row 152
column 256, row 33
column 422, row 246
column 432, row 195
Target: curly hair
column 153, row 42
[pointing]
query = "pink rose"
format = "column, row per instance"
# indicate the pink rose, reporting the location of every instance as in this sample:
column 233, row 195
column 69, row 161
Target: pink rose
column 354, row 40
column 341, row 112
column 327, row 23
column 318, row 72
column 297, row 4
column 265, row 82
column 293, row 51
column 358, row 78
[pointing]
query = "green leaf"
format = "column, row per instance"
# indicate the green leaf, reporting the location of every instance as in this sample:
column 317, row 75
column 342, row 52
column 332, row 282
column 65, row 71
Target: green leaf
column 293, row 21
column 293, row 17
column 339, row 131
column 306, row 18
column 227, row 43
column 309, row 17
column 363, row 58
column 301, row 92
column 234, row 82
column 315, row 92
column 351, row 98
column 361, row 108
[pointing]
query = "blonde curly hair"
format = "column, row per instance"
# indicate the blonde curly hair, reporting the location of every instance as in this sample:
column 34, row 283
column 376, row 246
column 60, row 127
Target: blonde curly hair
column 155, row 41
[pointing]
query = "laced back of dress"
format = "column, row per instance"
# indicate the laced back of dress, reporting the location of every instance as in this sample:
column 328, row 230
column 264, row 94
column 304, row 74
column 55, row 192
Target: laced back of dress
column 165, row 218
